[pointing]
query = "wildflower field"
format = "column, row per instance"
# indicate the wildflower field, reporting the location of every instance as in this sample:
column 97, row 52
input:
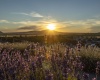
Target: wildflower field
column 34, row 61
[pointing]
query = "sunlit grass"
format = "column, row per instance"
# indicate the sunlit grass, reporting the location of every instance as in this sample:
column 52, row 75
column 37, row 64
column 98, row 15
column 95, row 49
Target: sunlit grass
column 20, row 46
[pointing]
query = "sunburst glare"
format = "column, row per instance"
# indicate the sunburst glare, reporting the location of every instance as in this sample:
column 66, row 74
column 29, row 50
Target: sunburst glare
column 51, row 26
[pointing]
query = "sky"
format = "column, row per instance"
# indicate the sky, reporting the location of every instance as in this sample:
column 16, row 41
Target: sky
column 67, row 15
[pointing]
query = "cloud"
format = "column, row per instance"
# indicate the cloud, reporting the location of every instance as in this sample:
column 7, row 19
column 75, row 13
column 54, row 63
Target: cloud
column 95, row 28
column 32, row 14
column 86, row 25
column 60, row 26
column 89, row 25
column 28, row 23
column 39, row 22
column 34, row 25
column 30, row 27
column 4, row 21
column 21, row 22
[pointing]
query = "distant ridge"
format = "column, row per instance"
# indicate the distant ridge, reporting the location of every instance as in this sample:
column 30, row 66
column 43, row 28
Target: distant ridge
column 42, row 32
column 1, row 32
column 45, row 32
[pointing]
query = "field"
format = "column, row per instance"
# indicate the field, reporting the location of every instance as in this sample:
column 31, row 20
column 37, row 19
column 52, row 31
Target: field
column 35, row 61
column 50, row 40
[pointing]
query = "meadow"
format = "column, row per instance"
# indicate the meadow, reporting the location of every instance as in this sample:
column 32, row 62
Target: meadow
column 49, row 39
column 35, row 61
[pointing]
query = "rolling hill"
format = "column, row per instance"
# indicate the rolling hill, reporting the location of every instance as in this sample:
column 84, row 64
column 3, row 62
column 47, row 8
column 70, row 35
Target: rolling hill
column 1, row 32
column 43, row 32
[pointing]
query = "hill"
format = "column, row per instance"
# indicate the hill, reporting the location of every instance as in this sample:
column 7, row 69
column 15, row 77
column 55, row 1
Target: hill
column 43, row 32
column 1, row 32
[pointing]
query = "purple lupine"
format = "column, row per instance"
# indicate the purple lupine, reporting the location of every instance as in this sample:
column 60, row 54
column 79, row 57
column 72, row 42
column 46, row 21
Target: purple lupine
column 97, row 68
column 79, row 46
column 85, row 76
column 78, row 77
column 33, row 66
column 98, row 64
column 94, row 79
column 65, row 72
column 49, row 75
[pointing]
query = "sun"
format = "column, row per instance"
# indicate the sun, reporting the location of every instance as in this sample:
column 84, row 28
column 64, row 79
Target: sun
column 51, row 26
